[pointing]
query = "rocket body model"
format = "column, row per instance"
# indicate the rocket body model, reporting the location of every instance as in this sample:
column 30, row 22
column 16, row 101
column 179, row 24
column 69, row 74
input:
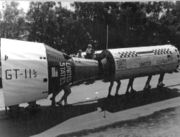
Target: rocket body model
column 31, row 70
column 125, row 63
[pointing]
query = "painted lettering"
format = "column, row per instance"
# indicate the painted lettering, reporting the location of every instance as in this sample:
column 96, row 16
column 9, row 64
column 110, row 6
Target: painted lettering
column 145, row 63
column 16, row 73
column 8, row 74
column 65, row 72
column 25, row 73
column 29, row 73
column 20, row 73
column 34, row 73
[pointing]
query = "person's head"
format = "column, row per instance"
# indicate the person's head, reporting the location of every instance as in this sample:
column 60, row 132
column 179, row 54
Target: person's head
column 62, row 50
column 89, row 45
column 80, row 51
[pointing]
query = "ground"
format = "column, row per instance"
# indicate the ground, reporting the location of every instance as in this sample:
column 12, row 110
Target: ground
column 90, row 113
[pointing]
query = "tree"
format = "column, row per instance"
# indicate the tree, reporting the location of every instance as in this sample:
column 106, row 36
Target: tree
column 13, row 23
column 54, row 25
column 130, row 24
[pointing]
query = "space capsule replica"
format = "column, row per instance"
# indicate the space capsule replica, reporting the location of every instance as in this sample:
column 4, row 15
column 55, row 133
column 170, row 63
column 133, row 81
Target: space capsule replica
column 31, row 71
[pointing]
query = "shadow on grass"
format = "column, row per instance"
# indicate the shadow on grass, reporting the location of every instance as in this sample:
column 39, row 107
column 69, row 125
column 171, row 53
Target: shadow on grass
column 29, row 122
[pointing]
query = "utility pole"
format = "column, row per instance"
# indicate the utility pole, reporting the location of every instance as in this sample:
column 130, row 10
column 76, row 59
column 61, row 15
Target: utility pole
column 108, row 20
column 107, row 35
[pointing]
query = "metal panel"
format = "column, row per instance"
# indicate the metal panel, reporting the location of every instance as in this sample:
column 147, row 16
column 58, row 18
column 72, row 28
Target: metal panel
column 24, row 71
column 142, row 61
column 85, row 69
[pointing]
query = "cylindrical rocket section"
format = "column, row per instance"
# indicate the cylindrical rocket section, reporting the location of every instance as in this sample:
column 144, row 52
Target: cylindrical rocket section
column 111, row 64
column 84, row 69
column 125, row 63
column 63, row 70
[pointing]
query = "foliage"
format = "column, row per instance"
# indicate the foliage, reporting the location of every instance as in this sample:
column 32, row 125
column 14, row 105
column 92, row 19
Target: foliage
column 12, row 24
column 56, row 26
column 130, row 24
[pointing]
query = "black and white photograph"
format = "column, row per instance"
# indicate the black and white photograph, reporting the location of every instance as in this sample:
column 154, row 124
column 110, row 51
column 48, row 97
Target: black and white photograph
column 89, row 68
